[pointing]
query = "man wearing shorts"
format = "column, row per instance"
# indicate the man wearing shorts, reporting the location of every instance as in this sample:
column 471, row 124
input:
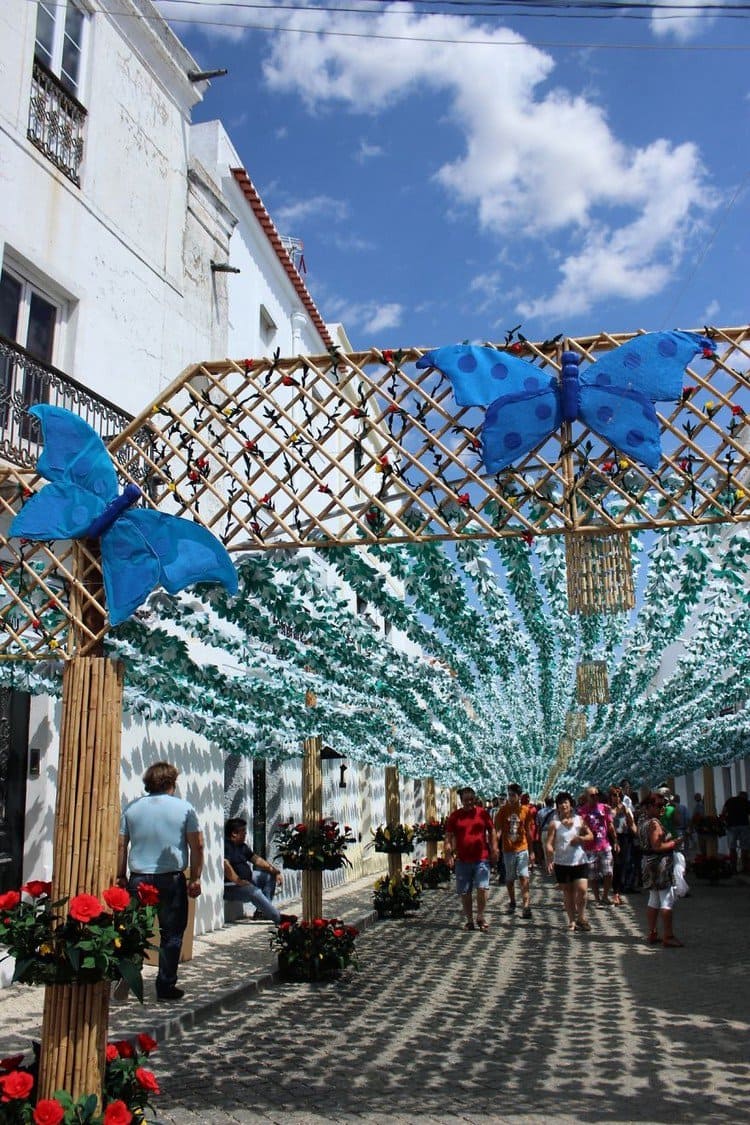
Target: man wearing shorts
column 514, row 827
column 471, row 844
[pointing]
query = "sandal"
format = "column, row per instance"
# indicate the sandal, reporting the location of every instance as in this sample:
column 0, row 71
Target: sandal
column 468, row 926
column 482, row 925
column 673, row 943
column 653, row 938
column 582, row 924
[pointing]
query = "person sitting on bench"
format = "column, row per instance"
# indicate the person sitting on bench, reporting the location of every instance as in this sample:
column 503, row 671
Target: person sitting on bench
column 247, row 876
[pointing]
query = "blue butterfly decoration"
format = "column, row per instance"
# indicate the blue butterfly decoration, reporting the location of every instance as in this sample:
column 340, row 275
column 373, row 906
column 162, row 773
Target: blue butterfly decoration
column 141, row 548
column 614, row 397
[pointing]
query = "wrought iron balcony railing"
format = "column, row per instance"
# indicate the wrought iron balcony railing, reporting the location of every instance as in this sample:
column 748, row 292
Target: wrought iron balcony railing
column 56, row 121
column 25, row 381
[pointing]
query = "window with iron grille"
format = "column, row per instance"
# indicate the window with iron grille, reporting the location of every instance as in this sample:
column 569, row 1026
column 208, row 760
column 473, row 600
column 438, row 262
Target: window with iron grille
column 56, row 115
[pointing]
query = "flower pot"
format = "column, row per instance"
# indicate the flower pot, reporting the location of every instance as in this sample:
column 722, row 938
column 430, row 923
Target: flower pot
column 313, row 970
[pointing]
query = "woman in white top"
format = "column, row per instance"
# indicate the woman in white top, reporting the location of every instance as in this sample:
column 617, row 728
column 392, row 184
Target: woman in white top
column 566, row 835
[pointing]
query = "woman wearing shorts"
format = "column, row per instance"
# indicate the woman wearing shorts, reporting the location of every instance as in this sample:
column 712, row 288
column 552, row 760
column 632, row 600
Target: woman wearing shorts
column 658, row 871
column 566, row 835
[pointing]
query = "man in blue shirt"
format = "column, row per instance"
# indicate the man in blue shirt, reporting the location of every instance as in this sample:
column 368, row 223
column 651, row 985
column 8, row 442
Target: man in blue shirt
column 247, row 876
column 160, row 831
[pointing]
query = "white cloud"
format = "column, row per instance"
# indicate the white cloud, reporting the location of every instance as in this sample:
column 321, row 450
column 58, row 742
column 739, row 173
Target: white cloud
column 316, row 206
column 368, row 152
column 681, row 26
column 370, row 316
column 384, row 316
column 537, row 160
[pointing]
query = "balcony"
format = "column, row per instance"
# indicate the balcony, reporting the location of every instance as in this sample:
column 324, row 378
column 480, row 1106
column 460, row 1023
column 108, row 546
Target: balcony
column 25, row 381
column 56, row 121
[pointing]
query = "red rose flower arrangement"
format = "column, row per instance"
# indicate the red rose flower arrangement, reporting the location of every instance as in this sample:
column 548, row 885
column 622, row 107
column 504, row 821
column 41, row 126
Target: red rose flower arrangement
column 317, row 950
column 88, row 943
column 128, row 1088
column 313, row 847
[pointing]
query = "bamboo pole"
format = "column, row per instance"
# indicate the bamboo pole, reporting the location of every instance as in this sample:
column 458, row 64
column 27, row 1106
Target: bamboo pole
column 430, row 813
column 709, row 804
column 393, row 815
column 75, row 1017
column 312, row 813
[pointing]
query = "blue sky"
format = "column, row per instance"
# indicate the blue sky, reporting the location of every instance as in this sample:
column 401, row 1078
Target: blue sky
column 574, row 174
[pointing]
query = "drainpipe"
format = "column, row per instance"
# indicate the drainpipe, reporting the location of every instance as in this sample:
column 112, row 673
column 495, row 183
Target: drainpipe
column 299, row 322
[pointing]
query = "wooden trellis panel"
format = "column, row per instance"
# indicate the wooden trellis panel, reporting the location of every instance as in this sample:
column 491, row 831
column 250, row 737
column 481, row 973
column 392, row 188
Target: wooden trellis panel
column 346, row 449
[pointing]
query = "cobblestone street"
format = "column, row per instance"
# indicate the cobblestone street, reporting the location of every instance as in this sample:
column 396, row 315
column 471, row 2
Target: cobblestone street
column 524, row 1023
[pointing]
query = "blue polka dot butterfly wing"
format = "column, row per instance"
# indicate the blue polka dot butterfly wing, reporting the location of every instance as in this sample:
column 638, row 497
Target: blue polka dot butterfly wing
column 614, row 397
column 140, row 548
column 523, row 400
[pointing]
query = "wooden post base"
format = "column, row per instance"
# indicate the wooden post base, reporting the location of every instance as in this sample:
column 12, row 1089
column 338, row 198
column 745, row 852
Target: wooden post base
column 74, row 1023
column 74, row 1038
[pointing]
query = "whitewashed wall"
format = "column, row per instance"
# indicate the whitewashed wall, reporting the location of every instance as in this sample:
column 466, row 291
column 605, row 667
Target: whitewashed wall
column 130, row 250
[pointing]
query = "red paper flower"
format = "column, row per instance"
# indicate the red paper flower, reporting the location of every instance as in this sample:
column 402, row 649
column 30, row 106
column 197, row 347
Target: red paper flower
column 247, row 364
column 387, row 355
column 116, row 898
column 84, row 908
column 36, row 888
column 357, row 413
column 16, row 1086
column 527, row 537
column 708, row 353
column 285, row 926
column 194, row 475
column 287, row 380
column 48, row 1112
column 338, row 932
column 319, row 923
column 251, row 446
column 464, row 499
column 393, row 408
column 111, row 1053
column 300, row 828
column 737, row 410
column 148, row 894
column 117, row 1113
column 146, row 1043
column 125, row 1048
column 11, row 1063
column 351, row 931
column 147, row 1080
column 516, row 348
column 687, row 391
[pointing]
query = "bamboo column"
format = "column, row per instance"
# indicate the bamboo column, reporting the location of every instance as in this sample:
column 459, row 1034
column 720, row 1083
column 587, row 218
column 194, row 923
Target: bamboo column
column 74, row 1022
column 392, row 814
column 312, row 813
column 709, row 803
column 430, row 813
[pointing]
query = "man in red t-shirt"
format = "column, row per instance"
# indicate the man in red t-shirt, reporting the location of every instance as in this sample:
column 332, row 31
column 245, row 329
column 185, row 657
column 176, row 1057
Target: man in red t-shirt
column 471, row 840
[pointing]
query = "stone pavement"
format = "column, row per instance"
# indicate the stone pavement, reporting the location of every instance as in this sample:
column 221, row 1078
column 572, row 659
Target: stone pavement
column 525, row 1023
column 228, row 963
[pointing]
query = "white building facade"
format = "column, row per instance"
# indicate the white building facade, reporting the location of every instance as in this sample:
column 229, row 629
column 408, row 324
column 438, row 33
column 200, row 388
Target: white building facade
column 118, row 220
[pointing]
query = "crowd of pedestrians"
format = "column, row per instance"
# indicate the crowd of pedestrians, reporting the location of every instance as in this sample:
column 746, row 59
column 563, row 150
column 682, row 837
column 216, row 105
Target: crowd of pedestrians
column 599, row 845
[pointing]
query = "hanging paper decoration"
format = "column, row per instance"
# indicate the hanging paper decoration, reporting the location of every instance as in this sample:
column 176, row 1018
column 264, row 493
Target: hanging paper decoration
column 599, row 573
column 614, row 397
column 140, row 548
column 575, row 724
column 592, row 685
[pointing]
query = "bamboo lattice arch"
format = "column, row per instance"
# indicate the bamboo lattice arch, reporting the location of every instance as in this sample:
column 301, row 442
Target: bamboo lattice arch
column 351, row 449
